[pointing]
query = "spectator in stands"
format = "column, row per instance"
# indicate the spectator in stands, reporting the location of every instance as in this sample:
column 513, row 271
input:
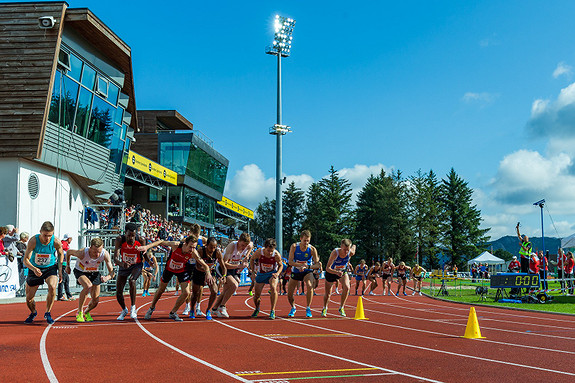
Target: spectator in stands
column 568, row 270
column 9, row 242
column 64, row 285
column 3, row 251
column 21, row 247
column 117, row 198
column 514, row 265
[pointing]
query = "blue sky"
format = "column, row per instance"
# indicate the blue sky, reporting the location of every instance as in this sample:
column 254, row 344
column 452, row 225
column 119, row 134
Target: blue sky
column 484, row 87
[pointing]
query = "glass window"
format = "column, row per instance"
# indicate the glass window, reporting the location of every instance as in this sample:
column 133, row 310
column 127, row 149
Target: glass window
column 198, row 206
column 119, row 115
column 175, row 207
column 54, row 113
column 63, row 102
column 75, row 67
column 102, row 87
column 83, row 113
column 174, row 155
column 157, row 195
column 206, row 169
column 101, row 125
column 88, row 77
column 113, row 92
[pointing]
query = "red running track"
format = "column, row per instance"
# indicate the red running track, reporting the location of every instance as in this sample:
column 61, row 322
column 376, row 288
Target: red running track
column 405, row 339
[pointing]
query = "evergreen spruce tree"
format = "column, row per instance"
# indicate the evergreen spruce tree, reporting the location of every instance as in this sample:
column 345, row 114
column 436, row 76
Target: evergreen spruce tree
column 264, row 222
column 293, row 213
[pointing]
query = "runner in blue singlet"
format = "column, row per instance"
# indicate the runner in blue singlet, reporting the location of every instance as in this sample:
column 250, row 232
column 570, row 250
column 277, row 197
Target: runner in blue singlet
column 336, row 270
column 304, row 260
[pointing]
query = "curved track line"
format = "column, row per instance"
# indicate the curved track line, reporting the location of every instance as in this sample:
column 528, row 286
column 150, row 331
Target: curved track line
column 429, row 349
column 445, row 334
column 157, row 339
column 44, row 354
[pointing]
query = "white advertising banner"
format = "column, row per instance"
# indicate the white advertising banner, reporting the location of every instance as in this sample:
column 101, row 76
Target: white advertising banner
column 9, row 281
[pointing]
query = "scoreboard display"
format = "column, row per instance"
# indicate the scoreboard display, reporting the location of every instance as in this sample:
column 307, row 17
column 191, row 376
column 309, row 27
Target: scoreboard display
column 514, row 280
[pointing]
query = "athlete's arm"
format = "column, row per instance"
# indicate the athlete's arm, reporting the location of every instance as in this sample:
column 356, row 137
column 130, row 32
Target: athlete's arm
column 156, row 268
column 60, row 250
column 117, row 256
column 228, row 256
column 109, row 266
column 330, row 261
column 280, row 264
column 29, row 248
column 220, row 258
column 203, row 265
column 253, row 261
column 76, row 253
column 316, row 263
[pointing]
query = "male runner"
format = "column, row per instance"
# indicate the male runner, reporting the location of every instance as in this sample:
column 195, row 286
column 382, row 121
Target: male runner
column 41, row 259
column 303, row 259
column 87, row 274
column 196, row 230
column 209, row 254
column 150, row 273
column 235, row 260
column 360, row 276
column 336, row 270
column 129, row 259
column 268, row 270
column 181, row 253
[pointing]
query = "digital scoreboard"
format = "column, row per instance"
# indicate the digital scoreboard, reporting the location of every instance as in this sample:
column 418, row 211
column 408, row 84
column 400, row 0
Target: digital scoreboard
column 514, row 280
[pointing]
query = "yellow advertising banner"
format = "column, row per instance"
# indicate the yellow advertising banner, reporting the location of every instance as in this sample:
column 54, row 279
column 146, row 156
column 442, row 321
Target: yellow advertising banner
column 145, row 165
column 234, row 206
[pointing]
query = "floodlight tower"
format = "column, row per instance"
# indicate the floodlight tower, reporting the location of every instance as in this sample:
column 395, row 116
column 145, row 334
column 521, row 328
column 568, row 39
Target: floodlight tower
column 281, row 48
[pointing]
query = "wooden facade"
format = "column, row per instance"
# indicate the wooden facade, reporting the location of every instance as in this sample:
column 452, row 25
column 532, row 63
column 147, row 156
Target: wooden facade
column 28, row 62
column 28, row 59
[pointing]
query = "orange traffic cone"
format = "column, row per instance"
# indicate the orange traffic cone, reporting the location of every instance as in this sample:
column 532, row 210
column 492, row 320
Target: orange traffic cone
column 472, row 330
column 359, row 314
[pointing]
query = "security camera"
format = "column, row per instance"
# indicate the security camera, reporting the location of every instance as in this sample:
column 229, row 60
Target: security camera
column 46, row 22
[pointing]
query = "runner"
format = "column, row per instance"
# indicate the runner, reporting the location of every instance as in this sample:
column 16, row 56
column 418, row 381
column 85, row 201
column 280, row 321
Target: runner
column 360, row 276
column 196, row 230
column 150, row 272
column 176, row 265
column 417, row 273
column 386, row 275
column 372, row 275
column 129, row 259
column 304, row 259
column 235, row 260
column 268, row 270
column 209, row 254
column 336, row 270
column 88, row 276
column 402, row 276
column 286, row 274
column 41, row 259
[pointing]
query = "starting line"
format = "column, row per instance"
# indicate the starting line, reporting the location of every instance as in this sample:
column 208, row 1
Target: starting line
column 320, row 376
column 307, row 372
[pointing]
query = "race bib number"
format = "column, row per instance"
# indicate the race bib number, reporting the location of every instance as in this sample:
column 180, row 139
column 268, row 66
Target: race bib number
column 130, row 259
column 266, row 268
column 42, row 259
column 339, row 267
column 176, row 265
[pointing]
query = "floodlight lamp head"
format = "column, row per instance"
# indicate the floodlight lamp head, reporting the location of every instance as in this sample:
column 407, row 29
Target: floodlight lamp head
column 282, row 38
column 539, row 203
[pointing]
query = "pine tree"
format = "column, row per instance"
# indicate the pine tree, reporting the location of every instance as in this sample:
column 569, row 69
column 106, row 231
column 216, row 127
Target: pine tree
column 369, row 220
column 293, row 204
column 265, row 220
column 461, row 235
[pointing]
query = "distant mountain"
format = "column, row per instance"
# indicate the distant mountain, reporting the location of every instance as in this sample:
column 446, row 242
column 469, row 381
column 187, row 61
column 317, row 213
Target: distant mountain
column 511, row 244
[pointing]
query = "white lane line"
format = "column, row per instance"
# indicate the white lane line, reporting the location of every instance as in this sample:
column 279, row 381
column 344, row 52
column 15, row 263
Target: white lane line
column 338, row 376
column 214, row 367
column 483, row 318
column 44, row 354
column 298, row 321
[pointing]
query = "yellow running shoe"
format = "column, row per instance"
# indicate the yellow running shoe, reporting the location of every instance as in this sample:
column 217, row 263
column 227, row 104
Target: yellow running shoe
column 88, row 317
column 80, row 318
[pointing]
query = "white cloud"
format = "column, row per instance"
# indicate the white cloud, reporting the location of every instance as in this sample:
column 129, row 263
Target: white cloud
column 482, row 98
column 554, row 118
column 562, row 69
column 359, row 174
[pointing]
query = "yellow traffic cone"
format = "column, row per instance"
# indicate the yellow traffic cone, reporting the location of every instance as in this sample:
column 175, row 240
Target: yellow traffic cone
column 359, row 314
column 472, row 330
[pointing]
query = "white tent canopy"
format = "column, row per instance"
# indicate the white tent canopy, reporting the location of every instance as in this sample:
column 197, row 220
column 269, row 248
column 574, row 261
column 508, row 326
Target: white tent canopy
column 486, row 257
column 568, row 241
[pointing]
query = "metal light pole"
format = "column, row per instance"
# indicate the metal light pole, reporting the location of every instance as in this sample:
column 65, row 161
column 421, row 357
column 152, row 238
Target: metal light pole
column 281, row 48
column 541, row 203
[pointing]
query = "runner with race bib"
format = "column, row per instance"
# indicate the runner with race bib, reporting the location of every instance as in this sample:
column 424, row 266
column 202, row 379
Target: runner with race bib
column 269, row 267
column 337, row 270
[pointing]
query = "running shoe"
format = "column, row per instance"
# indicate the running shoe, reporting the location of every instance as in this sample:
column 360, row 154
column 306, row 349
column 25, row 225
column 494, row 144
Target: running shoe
column 272, row 314
column 342, row 312
column 186, row 310
column 324, row 312
column 148, row 315
column 175, row 317
column 291, row 312
column 209, row 315
column 31, row 317
column 308, row 312
column 413, row 293
column 133, row 313
column 192, row 315
column 123, row 314
column 80, row 318
column 88, row 317
column 199, row 312
column 222, row 312
column 48, row 317
column 404, row 293
column 371, row 293
column 420, row 293
column 255, row 313
column 144, row 293
column 176, row 293
column 251, row 293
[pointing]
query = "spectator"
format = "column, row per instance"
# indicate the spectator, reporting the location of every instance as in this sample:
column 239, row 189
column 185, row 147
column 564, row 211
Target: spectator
column 9, row 242
column 64, row 286
column 524, row 251
column 569, row 263
column 21, row 247
column 3, row 252
column 543, row 269
column 514, row 265
column 561, row 258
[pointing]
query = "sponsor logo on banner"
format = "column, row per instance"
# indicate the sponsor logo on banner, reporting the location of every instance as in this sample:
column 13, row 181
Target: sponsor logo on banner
column 9, row 282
